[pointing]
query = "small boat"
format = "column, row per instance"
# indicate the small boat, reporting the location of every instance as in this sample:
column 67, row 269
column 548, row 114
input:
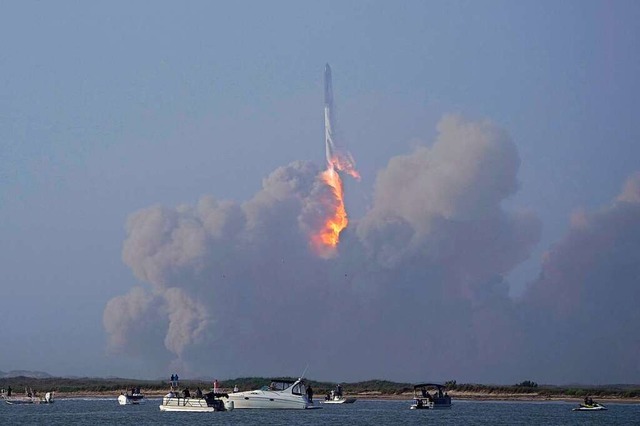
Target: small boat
column 30, row 398
column 340, row 400
column 207, row 403
column 336, row 397
column 590, row 407
column 280, row 394
column 423, row 400
column 135, row 397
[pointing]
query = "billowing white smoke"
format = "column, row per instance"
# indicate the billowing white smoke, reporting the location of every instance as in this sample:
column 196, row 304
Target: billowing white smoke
column 234, row 289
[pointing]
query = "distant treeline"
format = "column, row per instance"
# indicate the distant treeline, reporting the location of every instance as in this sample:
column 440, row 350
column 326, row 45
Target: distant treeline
column 382, row 387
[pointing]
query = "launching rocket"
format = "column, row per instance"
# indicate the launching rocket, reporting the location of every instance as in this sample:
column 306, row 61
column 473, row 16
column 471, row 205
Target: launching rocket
column 328, row 114
column 338, row 158
column 325, row 239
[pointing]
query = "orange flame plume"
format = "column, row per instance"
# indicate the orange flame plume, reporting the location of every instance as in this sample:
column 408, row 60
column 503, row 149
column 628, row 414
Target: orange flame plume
column 325, row 240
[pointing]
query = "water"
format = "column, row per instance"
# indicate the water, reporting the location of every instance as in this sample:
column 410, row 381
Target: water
column 93, row 412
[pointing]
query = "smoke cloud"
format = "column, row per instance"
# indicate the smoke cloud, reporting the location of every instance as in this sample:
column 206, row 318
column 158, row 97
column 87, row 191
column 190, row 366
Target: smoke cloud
column 585, row 297
column 234, row 289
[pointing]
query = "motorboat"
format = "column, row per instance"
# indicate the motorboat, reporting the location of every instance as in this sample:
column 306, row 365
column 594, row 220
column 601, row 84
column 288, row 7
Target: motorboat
column 280, row 394
column 135, row 397
column 207, row 403
column 423, row 400
column 30, row 398
column 19, row 400
column 590, row 407
column 339, row 400
column 336, row 397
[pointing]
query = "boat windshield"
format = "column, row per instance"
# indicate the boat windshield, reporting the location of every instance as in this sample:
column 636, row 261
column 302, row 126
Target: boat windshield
column 299, row 389
column 279, row 386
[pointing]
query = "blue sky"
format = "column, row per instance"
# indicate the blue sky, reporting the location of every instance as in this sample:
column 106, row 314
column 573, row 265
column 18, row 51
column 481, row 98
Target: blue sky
column 109, row 108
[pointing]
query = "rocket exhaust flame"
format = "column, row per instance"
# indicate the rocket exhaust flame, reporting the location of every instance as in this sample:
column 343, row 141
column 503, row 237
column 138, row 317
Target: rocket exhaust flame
column 326, row 239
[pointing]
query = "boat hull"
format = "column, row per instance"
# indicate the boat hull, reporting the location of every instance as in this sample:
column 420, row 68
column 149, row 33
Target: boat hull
column 21, row 401
column 349, row 400
column 423, row 404
column 48, row 399
column 194, row 405
column 269, row 400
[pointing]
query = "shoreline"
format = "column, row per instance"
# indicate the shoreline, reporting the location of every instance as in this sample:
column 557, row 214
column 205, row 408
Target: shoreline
column 374, row 396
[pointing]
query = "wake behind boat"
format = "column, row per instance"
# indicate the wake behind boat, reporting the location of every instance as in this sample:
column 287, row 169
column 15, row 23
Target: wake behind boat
column 280, row 394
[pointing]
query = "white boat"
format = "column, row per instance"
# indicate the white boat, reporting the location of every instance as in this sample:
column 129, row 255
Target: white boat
column 280, row 394
column 29, row 399
column 130, row 399
column 339, row 400
column 423, row 400
column 208, row 403
column 335, row 397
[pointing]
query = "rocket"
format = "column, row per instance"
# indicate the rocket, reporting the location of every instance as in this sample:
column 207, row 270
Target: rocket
column 328, row 115
column 338, row 159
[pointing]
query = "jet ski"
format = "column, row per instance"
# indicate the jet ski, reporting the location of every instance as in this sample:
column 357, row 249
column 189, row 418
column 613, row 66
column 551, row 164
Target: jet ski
column 590, row 407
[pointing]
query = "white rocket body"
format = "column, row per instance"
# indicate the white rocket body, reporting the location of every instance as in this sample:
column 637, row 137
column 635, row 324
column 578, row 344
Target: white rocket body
column 328, row 115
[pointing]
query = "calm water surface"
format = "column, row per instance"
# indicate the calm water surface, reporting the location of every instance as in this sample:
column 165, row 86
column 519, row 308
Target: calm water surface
column 107, row 412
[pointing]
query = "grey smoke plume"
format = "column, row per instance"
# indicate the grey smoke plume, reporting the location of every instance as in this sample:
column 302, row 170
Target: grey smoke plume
column 583, row 308
column 234, row 288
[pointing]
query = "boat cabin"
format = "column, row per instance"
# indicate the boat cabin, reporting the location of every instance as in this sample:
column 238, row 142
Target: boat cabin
column 297, row 386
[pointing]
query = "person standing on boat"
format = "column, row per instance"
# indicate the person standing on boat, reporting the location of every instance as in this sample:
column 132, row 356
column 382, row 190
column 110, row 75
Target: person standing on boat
column 235, row 388
column 215, row 386
column 339, row 390
column 310, row 394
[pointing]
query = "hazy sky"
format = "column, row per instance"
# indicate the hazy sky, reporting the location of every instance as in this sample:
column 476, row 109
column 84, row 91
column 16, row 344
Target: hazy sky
column 158, row 177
